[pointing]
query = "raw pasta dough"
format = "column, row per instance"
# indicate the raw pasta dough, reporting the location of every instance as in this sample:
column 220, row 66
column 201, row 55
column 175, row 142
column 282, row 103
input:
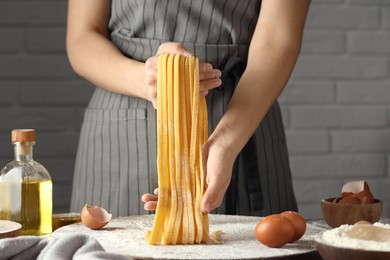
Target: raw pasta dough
column 181, row 131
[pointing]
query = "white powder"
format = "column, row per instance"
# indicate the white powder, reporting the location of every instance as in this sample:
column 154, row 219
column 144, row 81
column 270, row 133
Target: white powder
column 126, row 235
column 337, row 237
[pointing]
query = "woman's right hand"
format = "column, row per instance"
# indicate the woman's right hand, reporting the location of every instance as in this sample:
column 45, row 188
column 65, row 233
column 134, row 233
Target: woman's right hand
column 209, row 77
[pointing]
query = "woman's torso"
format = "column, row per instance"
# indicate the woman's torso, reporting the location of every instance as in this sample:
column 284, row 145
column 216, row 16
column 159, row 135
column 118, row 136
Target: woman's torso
column 119, row 133
column 213, row 30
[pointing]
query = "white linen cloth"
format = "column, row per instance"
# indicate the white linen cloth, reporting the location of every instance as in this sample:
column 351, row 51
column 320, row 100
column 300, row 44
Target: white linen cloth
column 72, row 246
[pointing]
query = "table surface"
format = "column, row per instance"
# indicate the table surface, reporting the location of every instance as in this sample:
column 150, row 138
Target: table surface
column 126, row 235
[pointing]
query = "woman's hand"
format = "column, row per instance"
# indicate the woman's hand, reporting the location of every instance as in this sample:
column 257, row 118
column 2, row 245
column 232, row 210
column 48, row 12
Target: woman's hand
column 209, row 77
column 218, row 164
column 150, row 200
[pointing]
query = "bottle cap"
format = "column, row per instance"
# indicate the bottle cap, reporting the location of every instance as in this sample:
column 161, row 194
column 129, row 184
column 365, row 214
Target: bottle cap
column 23, row 135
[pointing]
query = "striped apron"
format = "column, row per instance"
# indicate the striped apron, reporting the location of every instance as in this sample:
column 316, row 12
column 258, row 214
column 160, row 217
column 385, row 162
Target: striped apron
column 116, row 158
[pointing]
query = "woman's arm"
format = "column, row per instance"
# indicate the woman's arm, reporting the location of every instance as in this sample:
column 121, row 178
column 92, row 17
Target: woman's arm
column 93, row 56
column 273, row 52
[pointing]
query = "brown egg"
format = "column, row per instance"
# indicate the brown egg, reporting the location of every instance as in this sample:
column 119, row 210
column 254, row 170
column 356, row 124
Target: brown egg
column 94, row 217
column 298, row 222
column 274, row 230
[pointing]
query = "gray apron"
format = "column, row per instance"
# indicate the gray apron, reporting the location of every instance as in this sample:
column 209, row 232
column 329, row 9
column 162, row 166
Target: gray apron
column 116, row 159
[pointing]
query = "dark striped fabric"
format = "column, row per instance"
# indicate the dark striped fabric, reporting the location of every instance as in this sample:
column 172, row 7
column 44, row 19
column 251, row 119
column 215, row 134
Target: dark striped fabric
column 116, row 159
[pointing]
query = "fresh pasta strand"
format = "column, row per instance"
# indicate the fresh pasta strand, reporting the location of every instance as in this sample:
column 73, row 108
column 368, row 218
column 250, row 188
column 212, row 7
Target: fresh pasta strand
column 181, row 131
column 155, row 236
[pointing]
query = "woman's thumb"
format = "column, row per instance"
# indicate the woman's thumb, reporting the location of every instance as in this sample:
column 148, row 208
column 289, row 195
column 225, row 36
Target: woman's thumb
column 211, row 198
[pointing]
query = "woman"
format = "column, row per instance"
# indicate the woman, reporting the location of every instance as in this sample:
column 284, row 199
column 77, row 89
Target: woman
column 248, row 49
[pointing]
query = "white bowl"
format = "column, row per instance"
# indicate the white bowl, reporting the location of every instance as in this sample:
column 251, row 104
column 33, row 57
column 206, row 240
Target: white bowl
column 332, row 252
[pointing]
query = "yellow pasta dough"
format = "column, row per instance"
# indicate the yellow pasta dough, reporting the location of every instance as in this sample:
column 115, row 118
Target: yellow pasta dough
column 181, row 131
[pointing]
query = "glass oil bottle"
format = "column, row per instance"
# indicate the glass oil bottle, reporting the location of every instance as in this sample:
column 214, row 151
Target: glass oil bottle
column 26, row 188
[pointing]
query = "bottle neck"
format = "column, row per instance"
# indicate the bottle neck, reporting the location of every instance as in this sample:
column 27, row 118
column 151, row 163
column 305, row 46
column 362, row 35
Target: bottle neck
column 23, row 151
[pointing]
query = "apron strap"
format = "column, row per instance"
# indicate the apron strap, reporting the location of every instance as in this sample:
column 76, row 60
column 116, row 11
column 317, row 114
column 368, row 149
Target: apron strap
column 231, row 75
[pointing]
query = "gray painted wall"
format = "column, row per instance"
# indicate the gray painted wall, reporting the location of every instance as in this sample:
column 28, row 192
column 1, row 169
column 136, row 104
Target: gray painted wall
column 336, row 106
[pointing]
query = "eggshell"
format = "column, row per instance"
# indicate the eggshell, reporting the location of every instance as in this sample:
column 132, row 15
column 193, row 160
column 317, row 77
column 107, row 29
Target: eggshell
column 359, row 189
column 94, row 217
column 365, row 196
column 354, row 187
column 350, row 200
column 336, row 200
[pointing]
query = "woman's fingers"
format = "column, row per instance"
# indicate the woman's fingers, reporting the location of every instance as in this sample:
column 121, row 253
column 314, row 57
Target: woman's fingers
column 150, row 80
column 206, row 71
column 150, row 200
column 218, row 163
column 212, row 197
column 209, row 84
column 209, row 78
column 150, row 205
column 151, row 68
column 149, row 197
column 203, row 93
column 173, row 47
column 210, row 74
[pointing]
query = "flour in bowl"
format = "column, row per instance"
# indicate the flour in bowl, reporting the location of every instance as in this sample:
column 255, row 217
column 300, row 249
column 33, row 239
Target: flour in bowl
column 367, row 237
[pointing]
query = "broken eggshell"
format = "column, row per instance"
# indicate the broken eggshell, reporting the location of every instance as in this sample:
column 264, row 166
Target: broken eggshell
column 354, row 187
column 94, row 217
column 358, row 189
column 350, row 200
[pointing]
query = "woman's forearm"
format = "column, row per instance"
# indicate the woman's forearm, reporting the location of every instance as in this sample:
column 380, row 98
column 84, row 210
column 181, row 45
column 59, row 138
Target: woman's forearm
column 262, row 82
column 95, row 58
column 273, row 52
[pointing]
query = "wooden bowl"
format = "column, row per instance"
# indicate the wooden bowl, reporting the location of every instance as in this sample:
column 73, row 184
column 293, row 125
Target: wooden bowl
column 331, row 252
column 336, row 214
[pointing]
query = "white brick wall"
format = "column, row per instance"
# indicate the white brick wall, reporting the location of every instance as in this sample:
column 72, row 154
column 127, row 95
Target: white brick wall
column 38, row 88
column 336, row 107
column 337, row 103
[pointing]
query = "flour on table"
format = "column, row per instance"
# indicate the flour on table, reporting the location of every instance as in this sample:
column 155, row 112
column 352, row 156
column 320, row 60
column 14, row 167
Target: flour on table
column 126, row 235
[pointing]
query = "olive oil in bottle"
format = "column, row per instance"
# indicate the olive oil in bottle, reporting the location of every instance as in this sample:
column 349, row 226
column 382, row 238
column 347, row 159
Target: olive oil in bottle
column 26, row 188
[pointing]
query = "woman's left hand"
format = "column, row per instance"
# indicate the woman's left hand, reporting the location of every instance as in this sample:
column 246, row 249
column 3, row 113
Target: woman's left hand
column 218, row 164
